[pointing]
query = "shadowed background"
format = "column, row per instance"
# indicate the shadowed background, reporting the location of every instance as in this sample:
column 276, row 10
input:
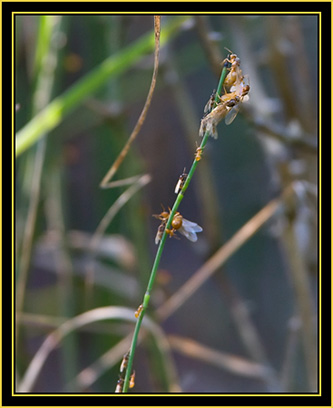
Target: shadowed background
column 258, row 311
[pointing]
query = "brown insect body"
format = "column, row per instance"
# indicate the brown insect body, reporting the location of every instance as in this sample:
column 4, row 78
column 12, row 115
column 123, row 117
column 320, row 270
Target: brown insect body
column 176, row 223
column 124, row 362
column 198, row 153
column 138, row 311
column 132, row 380
column 235, row 74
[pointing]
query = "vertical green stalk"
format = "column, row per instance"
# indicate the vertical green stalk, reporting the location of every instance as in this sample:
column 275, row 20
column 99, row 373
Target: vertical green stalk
column 162, row 243
column 46, row 53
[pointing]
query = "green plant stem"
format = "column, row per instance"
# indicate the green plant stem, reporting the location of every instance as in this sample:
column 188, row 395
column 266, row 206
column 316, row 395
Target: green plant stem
column 46, row 51
column 159, row 252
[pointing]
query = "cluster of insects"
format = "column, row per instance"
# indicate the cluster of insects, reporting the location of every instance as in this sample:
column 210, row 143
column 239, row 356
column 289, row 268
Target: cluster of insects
column 227, row 106
column 123, row 367
column 187, row 228
column 217, row 108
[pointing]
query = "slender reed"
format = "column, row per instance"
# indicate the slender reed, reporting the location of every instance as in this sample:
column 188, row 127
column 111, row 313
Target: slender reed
column 46, row 52
column 142, row 309
column 105, row 183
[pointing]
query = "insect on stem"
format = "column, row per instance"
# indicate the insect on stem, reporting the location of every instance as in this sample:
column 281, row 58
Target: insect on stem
column 172, row 222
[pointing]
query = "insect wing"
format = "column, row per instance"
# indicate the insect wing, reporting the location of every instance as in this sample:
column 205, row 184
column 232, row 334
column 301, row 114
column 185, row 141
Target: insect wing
column 124, row 362
column 230, row 117
column 189, row 225
column 191, row 236
column 158, row 237
column 246, row 98
column 178, row 186
column 120, row 384
column 189, row 230
column 237, row 89
column 208, row 106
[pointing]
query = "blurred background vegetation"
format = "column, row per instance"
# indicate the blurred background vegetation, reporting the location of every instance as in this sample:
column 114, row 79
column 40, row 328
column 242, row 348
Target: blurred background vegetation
column 251, row 327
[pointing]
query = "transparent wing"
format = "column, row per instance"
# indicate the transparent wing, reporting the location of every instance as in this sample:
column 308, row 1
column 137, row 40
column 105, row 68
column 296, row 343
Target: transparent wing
column 192, row 236
column 208, row 106
column 189, row 229
column 246, row 98
column 230, row 117
column 191, row 226
column 177, row 188
column 211, row 103
column 157, row 238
